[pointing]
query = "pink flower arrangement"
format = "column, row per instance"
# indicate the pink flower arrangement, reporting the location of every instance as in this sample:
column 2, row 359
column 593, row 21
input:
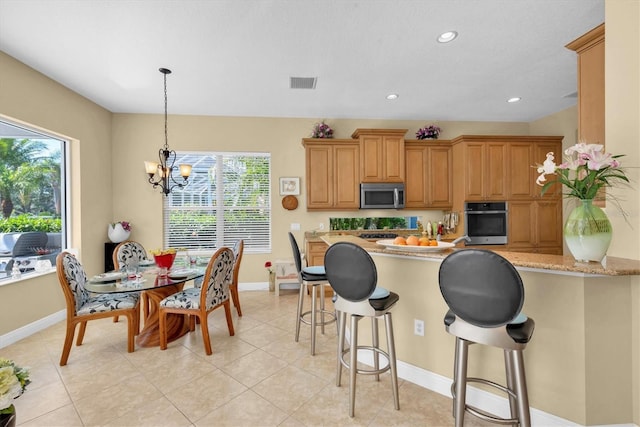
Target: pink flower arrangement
column 428, row 132
column 322, row 130
column 125, row 225
column 586, row 169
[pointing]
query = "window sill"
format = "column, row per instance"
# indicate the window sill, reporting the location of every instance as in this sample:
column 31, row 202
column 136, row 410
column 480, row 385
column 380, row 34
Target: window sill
column 8, row 280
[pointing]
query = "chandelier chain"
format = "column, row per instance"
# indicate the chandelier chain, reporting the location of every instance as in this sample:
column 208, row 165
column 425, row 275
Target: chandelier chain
column 166, row 133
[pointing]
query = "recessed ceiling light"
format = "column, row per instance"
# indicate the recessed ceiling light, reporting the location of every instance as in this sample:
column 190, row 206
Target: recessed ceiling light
column 392, row 96
column 514, row 99
column 447, row 36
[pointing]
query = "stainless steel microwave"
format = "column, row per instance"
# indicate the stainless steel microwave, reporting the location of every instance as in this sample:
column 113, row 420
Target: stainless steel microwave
column 381, row 196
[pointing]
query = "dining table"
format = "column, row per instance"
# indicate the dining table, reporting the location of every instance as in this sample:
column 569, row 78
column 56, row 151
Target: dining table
column 157, row 284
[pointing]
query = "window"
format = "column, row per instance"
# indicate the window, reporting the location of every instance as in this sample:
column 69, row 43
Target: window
column 228, row 198
column 32, row 197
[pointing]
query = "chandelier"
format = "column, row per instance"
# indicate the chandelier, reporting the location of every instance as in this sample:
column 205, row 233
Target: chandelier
column 161, row 174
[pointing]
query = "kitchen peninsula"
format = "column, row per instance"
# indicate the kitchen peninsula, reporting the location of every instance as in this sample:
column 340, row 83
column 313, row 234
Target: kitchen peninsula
column 579, row 361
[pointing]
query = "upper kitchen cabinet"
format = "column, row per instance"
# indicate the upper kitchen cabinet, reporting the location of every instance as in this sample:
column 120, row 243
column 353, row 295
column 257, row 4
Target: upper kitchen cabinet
column 332, row 172
column 500, row 167
column 381, row 154
column 590, row 50
column 429, row 166
column 524, row 152
column 479, row 168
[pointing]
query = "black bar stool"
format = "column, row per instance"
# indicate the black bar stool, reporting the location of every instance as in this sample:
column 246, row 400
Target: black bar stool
column 485, row 294
column 313, row 279
column 353, row 276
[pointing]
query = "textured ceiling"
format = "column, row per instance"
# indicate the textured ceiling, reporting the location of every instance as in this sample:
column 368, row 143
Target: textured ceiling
column 235, row 57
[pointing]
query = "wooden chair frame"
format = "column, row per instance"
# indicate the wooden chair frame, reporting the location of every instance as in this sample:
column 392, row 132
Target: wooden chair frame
column 202, row 312
column 238, row 249
column 132, row 315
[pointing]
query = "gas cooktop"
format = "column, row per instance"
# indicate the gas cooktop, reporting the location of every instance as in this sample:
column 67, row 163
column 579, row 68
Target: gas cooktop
column 378, row 235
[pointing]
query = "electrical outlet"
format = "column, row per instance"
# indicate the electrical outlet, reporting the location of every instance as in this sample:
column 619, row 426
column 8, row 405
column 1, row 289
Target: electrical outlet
column 418, row 327
column 295, row 226
column 321, row 226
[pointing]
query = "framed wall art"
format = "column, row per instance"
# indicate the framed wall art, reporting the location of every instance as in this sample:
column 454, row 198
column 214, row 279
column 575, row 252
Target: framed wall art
column 289, row 185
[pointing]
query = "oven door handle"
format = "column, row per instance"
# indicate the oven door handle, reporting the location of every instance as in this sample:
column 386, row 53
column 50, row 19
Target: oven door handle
column 484, row 212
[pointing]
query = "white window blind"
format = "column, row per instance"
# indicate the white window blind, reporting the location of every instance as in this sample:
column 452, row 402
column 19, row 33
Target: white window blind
column 228, row 198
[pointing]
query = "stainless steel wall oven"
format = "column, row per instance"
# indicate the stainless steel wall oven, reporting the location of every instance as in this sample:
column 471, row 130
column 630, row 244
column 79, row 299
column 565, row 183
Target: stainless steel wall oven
column 486, row 222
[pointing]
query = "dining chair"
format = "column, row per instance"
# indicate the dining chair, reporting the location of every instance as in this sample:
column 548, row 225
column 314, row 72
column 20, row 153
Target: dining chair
column 238, row 249
column 199, row 302
column 82, row 306
column 124, row 253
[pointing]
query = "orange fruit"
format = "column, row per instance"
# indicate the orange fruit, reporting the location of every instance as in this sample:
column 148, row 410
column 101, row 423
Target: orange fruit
column 433, row 243
column 399, row 241
column 424, row 241
column 412, row 241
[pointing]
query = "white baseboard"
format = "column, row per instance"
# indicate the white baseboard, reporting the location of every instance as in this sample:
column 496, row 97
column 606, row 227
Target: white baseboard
column 30, row 329
column 253, row 286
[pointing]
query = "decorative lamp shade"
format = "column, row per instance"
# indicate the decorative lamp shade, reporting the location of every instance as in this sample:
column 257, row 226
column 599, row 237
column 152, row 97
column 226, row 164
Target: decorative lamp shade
column 165, row 260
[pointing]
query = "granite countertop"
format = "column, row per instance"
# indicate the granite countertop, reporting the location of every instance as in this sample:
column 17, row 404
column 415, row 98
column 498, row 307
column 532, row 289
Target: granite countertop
column 611, row 266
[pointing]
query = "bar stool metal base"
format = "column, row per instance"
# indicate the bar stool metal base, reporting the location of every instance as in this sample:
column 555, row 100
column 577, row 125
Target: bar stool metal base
column 352, row 362
column 310, row 317
column 516, row 388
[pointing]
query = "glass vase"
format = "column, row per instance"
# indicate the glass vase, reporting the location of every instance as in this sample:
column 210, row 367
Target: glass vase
column 587, row 232
column 8, row 417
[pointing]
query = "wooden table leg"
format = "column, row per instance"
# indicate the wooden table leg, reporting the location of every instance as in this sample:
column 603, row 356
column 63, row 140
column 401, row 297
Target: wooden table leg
column 177, row 324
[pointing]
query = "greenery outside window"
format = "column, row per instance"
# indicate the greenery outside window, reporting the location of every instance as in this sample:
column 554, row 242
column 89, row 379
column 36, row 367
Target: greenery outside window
column 228, row 198
column 32, row 196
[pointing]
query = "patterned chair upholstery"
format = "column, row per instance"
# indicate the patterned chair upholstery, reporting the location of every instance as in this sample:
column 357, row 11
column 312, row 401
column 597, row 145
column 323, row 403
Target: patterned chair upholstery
column 122, row 255
column 82, row 306
column 127, row 251
column 199, row 302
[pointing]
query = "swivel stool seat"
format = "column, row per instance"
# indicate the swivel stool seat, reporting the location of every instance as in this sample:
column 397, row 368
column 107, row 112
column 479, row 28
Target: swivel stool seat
column 353, row 276
column 313, row 279
column 485, row 295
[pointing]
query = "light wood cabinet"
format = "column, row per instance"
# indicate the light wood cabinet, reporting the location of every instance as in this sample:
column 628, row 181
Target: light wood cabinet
column 590, row 50
column 535, row 226
column 332, row 174
column 381, row 154
column 428, row 168
column 522, row 157
column 480, row 169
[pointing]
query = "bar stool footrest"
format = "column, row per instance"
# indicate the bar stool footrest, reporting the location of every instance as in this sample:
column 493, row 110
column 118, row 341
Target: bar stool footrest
column 326, row 322
column 363, row 371
column 484, row 415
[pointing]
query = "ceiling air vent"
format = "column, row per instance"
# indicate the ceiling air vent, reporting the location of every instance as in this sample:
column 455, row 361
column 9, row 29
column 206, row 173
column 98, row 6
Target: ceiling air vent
column 302, row 82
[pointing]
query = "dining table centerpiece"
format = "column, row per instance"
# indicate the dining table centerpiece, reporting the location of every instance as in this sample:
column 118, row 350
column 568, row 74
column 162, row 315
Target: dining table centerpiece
column 586, row 171
column 13, row 382
column 119, row 231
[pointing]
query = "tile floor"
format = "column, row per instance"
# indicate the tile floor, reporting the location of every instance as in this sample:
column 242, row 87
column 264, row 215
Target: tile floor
column 259, row 377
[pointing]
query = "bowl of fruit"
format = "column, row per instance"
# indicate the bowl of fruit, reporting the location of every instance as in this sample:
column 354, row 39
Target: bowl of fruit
column 164, row 258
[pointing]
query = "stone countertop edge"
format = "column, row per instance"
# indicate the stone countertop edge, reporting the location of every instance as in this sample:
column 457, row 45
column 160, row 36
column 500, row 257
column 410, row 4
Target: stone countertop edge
column 610, row 266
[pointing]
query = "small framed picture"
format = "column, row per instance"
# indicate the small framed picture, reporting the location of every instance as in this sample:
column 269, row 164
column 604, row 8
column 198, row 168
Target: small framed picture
column 289, row 185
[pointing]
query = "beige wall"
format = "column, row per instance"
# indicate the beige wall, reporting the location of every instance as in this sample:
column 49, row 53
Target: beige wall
column 622, row 113
column 28, row 96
